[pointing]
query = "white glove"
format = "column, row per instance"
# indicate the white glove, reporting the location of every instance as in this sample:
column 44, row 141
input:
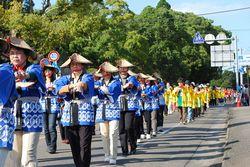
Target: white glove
column 104, row 89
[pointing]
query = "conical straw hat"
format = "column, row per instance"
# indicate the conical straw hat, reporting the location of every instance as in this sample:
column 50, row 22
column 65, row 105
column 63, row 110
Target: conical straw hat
column 108, row 67
column 75, row 57
column 124, row 63
column 141, row 75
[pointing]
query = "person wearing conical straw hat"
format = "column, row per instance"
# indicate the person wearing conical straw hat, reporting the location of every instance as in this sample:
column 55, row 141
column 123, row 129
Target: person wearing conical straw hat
column 97, row 76
column 78, row 114
column 129, row 105
column 8, row 95
column 161, row 88
column 108, row 111
column 145, row 104
column 154, row 103
column 50, row 104
column 29, row 116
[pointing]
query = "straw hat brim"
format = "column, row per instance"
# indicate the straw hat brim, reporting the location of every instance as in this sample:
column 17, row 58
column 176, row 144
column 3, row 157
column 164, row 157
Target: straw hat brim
column 107, row 67
column 141, row 75
column 124, row 63
column 19, row 43
column 76, row 58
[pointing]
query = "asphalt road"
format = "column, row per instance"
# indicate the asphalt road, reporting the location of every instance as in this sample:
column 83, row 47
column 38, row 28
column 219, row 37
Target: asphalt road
column 200, row 143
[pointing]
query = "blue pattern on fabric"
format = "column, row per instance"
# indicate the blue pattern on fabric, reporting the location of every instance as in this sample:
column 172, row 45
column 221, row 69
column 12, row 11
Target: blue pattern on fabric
column 7, row 128
column 112, row 108
column 86, row 111
column 32, row 116
column 85, row 114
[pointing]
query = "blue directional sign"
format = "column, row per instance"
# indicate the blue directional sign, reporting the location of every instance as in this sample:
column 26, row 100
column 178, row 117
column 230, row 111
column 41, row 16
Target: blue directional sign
column 241, row 70
column 198, row 39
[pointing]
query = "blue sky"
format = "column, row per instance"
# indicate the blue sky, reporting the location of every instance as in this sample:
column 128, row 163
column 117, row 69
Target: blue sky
column 238, row 22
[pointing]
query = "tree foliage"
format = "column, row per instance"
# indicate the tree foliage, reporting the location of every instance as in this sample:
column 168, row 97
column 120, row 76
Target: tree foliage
column 156, row 40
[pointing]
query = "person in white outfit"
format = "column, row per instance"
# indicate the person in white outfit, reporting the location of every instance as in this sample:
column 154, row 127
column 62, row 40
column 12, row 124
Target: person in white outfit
column 108, row 111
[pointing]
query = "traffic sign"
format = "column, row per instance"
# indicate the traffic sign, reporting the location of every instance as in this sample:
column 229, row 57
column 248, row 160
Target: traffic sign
column 53, row 56
column 221, row 38
column 209, row 38
column 198, row 39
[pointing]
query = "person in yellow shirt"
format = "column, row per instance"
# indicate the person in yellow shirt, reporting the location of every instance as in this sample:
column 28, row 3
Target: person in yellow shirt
column 189, row 100
column 180, row 93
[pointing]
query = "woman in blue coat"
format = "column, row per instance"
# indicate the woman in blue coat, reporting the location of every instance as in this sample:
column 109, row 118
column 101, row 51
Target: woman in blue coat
column 8, row 95
column 29, row 116
column 77, row 90
column 108, row 111
column 51, row 107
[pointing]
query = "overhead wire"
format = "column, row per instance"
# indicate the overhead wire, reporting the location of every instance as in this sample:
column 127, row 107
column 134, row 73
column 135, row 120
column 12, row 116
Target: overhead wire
column 224, row 11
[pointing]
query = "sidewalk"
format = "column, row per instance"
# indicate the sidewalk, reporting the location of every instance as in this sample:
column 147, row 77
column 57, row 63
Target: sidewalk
column 237, row 148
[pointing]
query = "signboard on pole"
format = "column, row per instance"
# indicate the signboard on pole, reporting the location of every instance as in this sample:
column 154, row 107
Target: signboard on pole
column 244, row 60
column 222, row 55
column 198, row 39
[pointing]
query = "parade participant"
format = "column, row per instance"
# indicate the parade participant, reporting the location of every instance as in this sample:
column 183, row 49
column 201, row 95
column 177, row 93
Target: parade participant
column 8, row 95
column 179, row 91
column 155, row 104
column 29, row 116
column 161, row 89
column 94, row 100
column 189, row 99
column 77, row 90
column 144, row 103
column 169, row 99
column 129, row 105
column 138, row 121
column 108, row 111
column 51, row 106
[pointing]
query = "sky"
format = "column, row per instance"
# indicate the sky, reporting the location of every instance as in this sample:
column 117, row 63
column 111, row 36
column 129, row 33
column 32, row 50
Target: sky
column 237, row 22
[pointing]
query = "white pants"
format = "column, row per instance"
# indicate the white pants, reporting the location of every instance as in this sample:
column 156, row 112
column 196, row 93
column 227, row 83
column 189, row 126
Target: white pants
column 154, row 121
column 3, row 155
column 24, row 150
column 109, row 132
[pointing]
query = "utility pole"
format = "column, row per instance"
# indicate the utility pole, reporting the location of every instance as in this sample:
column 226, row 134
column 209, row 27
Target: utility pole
column 237, row 62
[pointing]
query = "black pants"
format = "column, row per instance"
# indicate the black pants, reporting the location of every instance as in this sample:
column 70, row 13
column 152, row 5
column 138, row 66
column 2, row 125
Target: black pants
column 147, row 118
column 160, row 115
column 80, row 142
column 138, row 126
column 127, row 130
column 63, row 131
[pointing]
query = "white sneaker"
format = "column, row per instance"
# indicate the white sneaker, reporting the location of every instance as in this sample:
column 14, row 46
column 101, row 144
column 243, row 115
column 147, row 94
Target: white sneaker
column 154, row 133
column 106, row 159
column 148, row 136
column 112, row 162
column 138, row 140
column 143, row 136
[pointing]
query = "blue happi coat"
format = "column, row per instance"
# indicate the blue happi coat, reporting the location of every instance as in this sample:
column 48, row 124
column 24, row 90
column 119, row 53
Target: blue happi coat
column 147, row 100
column 55, row 104
column 160, row 93
column 32, row 113
column 155, row 98
column 8, row 95
column 132, row 93
column 85, row 108
column 108, row 107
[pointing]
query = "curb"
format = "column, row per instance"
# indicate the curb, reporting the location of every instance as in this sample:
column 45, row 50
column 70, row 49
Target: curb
column 227, row 135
